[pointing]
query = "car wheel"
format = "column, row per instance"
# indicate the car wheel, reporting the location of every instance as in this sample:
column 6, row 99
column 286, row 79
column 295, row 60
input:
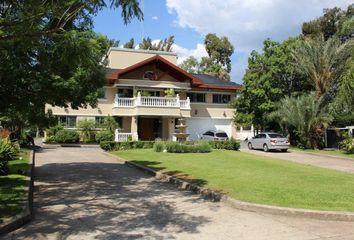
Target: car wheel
column 250, row 146
column 284, row 150
column 265, row 148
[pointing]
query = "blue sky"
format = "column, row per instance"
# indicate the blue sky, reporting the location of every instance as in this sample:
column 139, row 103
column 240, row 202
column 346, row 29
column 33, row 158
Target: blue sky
column 245, row 22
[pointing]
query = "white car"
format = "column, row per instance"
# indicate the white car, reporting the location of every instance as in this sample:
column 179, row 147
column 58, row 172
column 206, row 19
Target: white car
column 269, row 141
column 215, row 135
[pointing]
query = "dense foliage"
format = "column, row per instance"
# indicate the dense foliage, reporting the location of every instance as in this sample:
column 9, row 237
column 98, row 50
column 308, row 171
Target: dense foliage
column 7, row 152
column 104, row 136
column 49, row 54
column 307, row 115
column 115, row 146
column 87, row 130
column 178, row 147
column 230, row 144
column 67, row 136
column 218, row 61
column 320, row 60
column 347, row 144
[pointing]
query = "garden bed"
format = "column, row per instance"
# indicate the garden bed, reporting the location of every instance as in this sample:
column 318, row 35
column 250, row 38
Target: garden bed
column 255, row 179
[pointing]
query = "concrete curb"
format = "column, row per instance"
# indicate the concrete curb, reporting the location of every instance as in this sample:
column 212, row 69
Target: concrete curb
column 26, row 215
column 294, row 212
column 205, row 193
column 322, row 155
column 245, row 206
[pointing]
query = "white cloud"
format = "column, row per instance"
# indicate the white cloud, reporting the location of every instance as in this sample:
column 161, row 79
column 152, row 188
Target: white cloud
column 248, row 22
column 184, row 53
column 155, row 18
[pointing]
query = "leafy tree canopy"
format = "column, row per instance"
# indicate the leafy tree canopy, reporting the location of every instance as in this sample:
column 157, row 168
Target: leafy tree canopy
column 129, row 44
column 163, row 45
column 334, row 21
column 49, row 54
column 270, row 76
column 218, row 61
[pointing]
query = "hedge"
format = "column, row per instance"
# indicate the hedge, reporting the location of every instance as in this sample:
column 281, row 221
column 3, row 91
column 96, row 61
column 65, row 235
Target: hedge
column 230, row 144
column 67, row 136
column 115, row 146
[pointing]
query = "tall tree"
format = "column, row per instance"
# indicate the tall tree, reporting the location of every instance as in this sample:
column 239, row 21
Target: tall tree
column 49, row 54
column 218, row 61
column 190, row 65
column 270, row 75
column 322, row 61
column 334, row 22
column 162, row 45
column 342, row 107
column 307, row 114
column 129, row 44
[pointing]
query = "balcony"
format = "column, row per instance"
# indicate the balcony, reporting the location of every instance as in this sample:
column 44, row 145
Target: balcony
column 160, row 106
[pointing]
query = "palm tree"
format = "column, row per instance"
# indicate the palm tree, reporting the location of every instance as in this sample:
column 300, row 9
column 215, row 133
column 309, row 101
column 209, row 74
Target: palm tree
column 322, row 61
column 307, row 115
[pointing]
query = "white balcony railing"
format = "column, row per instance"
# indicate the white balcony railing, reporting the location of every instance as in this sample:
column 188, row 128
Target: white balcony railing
column 125, row 137
column 152, row 102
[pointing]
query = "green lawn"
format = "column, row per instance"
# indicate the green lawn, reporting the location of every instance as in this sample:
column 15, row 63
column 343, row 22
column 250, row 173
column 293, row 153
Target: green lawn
column 325, row 152
column 256, row 179
column 12, row 187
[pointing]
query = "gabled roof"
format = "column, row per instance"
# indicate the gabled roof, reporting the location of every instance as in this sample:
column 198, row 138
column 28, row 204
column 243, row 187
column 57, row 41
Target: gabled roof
column 162, row 63
column 196, row 80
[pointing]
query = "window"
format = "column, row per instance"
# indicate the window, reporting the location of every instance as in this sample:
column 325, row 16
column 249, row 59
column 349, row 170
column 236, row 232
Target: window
column 69, row 121
column 124, row 92
column 196, row 97
column 221, row 134
column 99, row 121
column 209, row 133
column 101, row 93
column 221, row 98
column 275, row 135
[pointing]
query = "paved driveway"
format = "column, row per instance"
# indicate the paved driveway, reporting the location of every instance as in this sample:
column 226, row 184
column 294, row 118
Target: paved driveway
column 82, row 193
column 331, row 162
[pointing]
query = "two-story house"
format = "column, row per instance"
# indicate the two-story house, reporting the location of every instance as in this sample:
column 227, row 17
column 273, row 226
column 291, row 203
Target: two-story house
column 135, row 95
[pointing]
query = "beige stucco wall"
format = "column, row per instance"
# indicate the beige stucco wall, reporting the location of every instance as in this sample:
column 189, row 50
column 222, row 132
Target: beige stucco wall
column 216, row 111
column 104, row 107
column 122, row 58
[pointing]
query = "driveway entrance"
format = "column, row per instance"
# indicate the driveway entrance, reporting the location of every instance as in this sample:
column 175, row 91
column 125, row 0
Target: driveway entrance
column 81, row 193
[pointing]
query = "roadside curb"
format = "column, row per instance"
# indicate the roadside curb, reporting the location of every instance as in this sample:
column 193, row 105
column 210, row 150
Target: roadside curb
column 205, row 193
column 15, row 222
column 245, row 206
column 323, row 155
column 294, row 212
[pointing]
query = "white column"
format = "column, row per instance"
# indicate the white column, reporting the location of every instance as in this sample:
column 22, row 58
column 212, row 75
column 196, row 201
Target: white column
column 116, row 135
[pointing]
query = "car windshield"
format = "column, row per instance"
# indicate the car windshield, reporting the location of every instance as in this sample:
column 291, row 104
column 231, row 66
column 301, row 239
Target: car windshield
column 275, row 135
column 221, row 134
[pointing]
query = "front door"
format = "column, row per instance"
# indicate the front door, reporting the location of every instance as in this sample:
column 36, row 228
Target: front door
column 149, row 128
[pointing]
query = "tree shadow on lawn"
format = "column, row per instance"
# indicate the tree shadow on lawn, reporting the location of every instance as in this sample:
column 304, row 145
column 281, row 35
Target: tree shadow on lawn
column 179, row 174
column 12, row 190
column 107, row 201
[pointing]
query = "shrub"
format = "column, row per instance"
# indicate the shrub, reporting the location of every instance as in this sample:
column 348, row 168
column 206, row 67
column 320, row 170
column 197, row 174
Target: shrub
column 86, row 128
column 159, row 146
column 8, row 151
column 347, row 144
column 110, row 124
column 51, row 131
column 230, row 144
column 197, row 147
column 115, row 146
column 104, row 136
column 67, row 136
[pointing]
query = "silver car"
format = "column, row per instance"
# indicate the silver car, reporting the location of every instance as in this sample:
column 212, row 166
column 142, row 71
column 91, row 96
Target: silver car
column 269, row 141
column 215, row 135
